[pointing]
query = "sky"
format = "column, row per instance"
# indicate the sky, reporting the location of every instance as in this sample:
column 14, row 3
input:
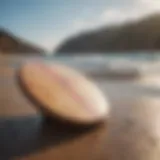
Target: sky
column 49, row 22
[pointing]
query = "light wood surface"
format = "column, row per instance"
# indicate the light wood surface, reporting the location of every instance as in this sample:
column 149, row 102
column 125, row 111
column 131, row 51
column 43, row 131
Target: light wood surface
column 64, row 92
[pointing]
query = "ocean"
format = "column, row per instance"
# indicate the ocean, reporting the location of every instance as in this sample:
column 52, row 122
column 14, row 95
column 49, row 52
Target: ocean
column 142, row 69
column 118, row 62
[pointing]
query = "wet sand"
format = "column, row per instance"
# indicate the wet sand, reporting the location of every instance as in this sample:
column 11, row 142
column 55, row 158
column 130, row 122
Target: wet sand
column 131, row 132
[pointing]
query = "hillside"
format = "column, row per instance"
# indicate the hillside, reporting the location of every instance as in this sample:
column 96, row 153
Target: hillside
column 10, row 44
column 139, row 35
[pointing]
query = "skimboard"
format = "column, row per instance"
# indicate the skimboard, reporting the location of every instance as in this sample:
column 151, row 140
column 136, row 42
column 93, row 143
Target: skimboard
column 64, row 92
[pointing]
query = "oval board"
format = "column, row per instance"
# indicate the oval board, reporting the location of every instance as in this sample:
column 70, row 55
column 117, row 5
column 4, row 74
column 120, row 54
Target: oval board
column 64, row 92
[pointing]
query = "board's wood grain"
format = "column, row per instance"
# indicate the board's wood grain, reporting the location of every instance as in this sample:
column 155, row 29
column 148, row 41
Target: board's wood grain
column 64, row 92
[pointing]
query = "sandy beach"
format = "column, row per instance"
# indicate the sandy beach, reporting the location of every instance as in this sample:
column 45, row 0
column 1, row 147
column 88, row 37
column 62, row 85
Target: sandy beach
column 134, row 121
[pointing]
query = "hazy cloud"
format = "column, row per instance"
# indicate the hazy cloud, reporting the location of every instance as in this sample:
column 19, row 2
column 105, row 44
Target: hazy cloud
column 113, row 15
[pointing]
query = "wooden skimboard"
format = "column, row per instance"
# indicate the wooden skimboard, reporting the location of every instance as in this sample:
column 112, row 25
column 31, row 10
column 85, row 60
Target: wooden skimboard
column 65, row 93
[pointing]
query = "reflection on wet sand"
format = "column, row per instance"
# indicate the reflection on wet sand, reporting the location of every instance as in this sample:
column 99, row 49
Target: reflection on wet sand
column 131, row 133
column 134, row 132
